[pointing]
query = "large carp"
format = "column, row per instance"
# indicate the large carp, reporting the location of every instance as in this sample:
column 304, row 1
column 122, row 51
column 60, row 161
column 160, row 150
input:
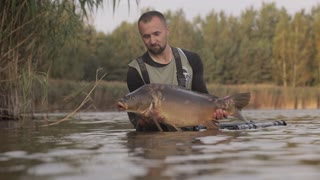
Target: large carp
column 178, row 107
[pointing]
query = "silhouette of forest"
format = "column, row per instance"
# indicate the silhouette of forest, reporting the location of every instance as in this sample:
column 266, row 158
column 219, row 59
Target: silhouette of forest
column 265, row 45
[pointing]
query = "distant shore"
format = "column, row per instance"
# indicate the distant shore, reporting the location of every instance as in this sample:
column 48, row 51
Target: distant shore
column 65, row 96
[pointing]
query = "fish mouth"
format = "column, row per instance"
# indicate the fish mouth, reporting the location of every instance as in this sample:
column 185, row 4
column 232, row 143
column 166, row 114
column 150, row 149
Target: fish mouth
column 122, row 106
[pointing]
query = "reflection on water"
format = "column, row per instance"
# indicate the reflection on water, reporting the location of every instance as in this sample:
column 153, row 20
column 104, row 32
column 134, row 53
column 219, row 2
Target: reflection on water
column 104, row 146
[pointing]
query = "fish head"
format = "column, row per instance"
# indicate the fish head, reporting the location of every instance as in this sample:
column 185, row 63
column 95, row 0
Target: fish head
column 138, row 101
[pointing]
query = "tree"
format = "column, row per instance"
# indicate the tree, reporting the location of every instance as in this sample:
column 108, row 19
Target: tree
column 247, row 66
column 126, row 46
column 257, row 31
column 264, row 34
column 300, row 47
column 182, row 32
column 280, row 61
column 220, row 45
column 316, row 41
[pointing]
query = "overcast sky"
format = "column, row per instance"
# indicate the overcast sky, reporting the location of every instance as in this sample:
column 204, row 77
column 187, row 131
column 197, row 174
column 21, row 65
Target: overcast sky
column 105, row 20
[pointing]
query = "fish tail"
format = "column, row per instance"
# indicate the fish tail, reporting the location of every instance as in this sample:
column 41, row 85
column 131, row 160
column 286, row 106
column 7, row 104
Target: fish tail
column 239, row 101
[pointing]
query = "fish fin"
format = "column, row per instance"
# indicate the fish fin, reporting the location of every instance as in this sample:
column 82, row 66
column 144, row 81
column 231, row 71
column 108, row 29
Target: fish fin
column 153, row 116
column 176, row 128
column 211, row 124
column 171, row 128
column 157, row 124
column 240, row 100
column 238, row 115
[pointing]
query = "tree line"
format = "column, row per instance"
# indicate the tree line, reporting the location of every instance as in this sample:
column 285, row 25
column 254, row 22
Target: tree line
column 43, row 39
column 267, row 45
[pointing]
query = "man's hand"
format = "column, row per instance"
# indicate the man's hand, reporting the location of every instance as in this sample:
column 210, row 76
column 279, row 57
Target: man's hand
column 220, row 114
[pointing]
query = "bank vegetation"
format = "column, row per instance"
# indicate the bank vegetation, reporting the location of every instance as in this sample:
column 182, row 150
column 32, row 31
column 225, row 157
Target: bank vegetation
column 64, row 95
column 50, row 55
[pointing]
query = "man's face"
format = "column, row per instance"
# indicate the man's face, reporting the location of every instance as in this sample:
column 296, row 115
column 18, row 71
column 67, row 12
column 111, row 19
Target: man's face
column 154, row 35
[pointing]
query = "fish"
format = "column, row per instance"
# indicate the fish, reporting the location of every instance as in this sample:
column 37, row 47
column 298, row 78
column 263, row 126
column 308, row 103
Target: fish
column 179, row 107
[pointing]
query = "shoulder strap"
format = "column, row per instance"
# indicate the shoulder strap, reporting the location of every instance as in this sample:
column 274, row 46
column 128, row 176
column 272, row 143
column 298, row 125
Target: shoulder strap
column 143, row 69
column 180, row 77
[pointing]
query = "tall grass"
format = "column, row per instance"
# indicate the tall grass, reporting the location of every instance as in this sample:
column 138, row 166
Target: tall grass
column 31, row 33
column 273, row 97
column 64, row 95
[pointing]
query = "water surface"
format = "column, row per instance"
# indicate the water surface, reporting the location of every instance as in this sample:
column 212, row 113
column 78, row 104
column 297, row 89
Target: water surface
column 104, row 146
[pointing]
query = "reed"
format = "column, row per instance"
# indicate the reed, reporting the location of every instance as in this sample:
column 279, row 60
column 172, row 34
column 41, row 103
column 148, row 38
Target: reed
column 265, row 96
column 64, row 95
column 31, row 33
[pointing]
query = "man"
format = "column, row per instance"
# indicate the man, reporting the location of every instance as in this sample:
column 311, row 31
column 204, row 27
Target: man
column 163, row 64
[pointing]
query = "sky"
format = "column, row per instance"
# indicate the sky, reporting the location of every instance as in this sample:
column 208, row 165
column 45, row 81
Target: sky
column 106, row 20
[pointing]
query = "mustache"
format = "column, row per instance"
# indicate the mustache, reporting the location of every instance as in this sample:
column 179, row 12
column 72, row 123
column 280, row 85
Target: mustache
column 154, row 45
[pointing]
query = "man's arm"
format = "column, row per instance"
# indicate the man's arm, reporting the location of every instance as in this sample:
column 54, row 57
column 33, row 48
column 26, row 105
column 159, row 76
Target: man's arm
column 134, row 80
column 198, row 83
column 195, row 62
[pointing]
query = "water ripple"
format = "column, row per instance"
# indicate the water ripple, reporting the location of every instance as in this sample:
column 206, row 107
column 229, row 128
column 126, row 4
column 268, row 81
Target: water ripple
column 104, row 146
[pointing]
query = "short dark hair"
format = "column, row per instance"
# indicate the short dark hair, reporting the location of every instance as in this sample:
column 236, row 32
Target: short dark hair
column 147, row 16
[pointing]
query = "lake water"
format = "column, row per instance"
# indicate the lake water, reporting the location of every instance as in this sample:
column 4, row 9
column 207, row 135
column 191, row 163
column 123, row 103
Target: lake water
column 99, row 146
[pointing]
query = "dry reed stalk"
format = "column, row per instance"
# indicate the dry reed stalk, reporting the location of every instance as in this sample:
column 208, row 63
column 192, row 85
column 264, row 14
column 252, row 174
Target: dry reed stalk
column 85, row 100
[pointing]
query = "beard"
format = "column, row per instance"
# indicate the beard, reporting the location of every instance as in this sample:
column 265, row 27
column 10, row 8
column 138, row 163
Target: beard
column 157, row 49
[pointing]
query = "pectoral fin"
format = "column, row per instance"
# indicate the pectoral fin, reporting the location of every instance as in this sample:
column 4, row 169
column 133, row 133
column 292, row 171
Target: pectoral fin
column 238, row 115
column 154, row 116
column 176, row 128
column 239, row 101
column 157, row 123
